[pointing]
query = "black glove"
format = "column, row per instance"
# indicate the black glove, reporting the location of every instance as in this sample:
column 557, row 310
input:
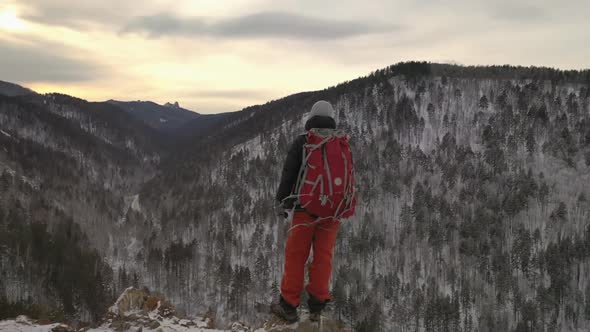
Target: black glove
column 280, row 211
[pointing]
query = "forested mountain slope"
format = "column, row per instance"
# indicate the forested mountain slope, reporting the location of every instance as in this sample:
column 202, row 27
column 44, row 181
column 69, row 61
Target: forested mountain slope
column 166, row 118
column 473, row 213
column 67, row 168
column 11, row 89
column 473, row 186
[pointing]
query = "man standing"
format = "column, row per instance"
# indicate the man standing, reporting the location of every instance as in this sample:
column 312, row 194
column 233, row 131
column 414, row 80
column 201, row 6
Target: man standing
column 317, row 184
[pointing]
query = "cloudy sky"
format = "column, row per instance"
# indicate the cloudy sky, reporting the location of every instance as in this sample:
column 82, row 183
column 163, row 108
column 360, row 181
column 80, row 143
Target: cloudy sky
column 214, row 56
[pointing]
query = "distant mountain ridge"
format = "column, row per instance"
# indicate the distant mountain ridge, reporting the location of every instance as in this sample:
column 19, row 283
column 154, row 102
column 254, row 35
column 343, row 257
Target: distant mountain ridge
column 167, row 117
column 180, row 124
column 173, row 121
column 11, row 89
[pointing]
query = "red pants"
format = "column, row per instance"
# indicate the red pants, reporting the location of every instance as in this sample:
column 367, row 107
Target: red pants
column 303, row 234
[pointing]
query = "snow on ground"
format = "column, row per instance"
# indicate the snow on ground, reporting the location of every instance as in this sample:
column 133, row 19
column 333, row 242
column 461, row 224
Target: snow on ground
column 252, row 147
column 135, row 203
column 23, row 324
column 31, row 182
column 171, row 324
column 4, row 168
column 133, row 248
column 166, row 325
column 130, row 202
column 5, row 133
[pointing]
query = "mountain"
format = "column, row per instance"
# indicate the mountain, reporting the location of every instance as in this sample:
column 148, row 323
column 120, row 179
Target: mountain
column 473, row 204
column 11, row 89
column 166, row 118
column 182, row 125
column 470, row 183
column 203, row 126
column 67, row 169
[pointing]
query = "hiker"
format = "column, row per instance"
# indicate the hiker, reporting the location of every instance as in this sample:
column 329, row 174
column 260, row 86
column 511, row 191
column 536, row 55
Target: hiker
column 317, row 185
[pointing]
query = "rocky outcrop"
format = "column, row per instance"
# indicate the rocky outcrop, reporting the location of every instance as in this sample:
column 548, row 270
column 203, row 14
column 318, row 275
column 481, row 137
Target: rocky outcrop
column 305, row 325
column 24, row 324
column 141, row 300
column 140, row 310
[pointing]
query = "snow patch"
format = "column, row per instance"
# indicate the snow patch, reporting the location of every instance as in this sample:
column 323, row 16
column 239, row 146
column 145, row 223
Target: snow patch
column 130, row 202
column 135, row 204
column 253, row 148
column 23, row 324
column 133, row 248
column 7, row 169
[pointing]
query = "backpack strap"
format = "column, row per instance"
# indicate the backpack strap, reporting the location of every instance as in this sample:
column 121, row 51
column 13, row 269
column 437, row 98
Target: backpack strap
column 327, row 168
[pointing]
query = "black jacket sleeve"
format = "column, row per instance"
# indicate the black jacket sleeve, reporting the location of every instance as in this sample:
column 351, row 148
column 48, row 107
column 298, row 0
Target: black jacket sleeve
column 291, row 172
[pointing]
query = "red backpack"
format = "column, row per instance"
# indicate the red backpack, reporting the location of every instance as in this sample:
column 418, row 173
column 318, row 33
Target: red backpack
column 326, row 178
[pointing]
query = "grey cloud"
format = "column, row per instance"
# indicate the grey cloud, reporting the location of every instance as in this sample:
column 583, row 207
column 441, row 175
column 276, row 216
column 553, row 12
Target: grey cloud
column 230, row 94
column 75, row 14
column 50, row 14
column 42, row 63
column 165, row 24
column 66, row 21
column 518, row 12
column 259, row 25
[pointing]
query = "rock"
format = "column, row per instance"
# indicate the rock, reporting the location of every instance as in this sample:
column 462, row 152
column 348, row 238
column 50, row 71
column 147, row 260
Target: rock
column 209, row 319
column 150, row 304
column 43, row 321
column 22, row 320
column 165, row 309
column 154, row 325
column 62, row 328
column 119, row 325
column 305, row 325
column 240, row 327
column 131, row 299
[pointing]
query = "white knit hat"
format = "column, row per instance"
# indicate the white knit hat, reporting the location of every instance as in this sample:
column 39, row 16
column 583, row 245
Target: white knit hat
column 322, row 108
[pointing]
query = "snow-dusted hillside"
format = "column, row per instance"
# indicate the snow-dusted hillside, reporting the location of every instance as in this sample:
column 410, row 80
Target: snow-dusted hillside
column 470, row 189
column 473, row 205
column 65, row 168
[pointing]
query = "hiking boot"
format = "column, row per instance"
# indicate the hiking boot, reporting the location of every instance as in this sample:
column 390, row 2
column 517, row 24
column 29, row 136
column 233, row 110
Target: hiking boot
column 284, row 310
column 315, row 306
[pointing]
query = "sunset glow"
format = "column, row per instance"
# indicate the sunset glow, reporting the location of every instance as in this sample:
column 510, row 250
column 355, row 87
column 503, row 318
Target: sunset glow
column 9, row 21
column 214, row 56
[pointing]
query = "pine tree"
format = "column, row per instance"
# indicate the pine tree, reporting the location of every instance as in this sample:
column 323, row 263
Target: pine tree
column 559, row 214
column 531, row 142
column 483, row 102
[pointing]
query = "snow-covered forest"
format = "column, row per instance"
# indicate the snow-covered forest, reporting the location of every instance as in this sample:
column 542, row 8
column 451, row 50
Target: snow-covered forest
column 474, row 204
